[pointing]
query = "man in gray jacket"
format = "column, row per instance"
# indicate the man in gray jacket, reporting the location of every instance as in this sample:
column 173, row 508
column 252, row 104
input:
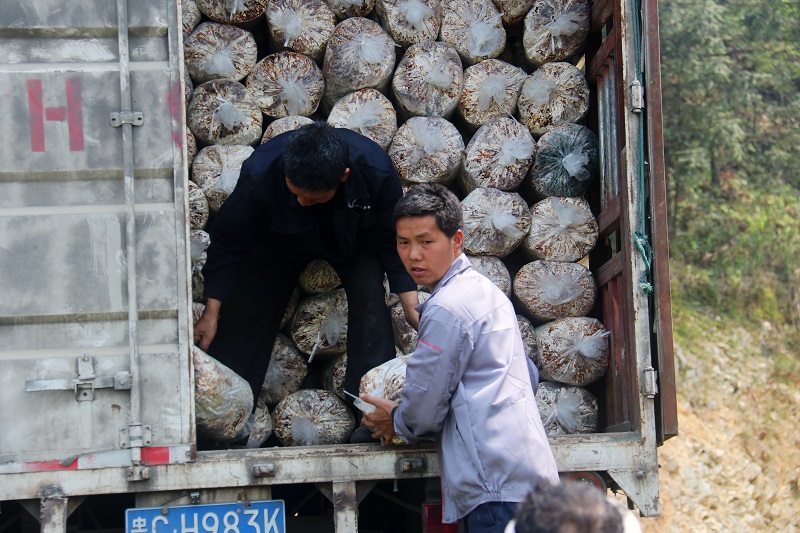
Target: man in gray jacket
column 468, row 385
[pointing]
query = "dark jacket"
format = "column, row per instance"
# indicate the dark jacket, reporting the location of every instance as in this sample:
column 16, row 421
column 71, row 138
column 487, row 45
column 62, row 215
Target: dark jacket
column 261, row 209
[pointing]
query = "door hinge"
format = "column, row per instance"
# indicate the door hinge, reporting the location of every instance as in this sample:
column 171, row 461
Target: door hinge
column 637, row 96
column 136, row 436
column 650, row 382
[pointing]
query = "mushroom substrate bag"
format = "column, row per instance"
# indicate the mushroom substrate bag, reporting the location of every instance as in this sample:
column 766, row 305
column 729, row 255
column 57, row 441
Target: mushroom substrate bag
column 359, row 55
column 387, row 381
column 302, row 26
column 562, row 229
column 555, row 30
column 198, row 206
column 499, row 156
column 494, row 269
column 368, row 112
column 286, row 83
column 566, row 162
column 409, row 22
column 474, row 28
column 241, row 12
column 216, row 170
column 214, row 51
column 548, row 290
column 573, row 350
column 223, row 399
column 566, row 409
column 319, row 326
column 286, row 371
column 427, row 80
column 224, row 112
column 495, row 222
column 312, row 417
column 554, row 94
column 284, row 124
column 351, row 8
column 427, row 150
column 490, row 90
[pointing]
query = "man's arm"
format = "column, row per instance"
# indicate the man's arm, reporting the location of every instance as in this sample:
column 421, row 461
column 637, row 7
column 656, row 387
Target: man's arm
column 205, row 329
column 409, row 301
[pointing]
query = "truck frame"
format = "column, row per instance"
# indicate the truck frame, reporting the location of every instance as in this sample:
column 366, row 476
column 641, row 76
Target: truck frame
column 95, row 329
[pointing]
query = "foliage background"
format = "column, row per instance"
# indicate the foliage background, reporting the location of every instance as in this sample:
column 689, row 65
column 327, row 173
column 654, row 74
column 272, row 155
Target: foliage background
column 731, row 96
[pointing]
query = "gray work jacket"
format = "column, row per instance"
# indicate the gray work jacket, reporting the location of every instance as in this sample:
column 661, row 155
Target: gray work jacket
column 468, row 388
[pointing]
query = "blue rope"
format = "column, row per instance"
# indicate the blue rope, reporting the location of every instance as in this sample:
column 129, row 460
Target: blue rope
column 640, row 239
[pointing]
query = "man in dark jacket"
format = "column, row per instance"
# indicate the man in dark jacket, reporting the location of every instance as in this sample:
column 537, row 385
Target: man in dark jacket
column 313, row 193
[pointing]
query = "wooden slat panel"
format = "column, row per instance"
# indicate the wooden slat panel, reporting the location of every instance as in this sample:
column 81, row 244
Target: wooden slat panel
column 666, row 407
column 609, row 271
column 616, row 384
column 600, row 59
column 601, row 11
column 608, row 219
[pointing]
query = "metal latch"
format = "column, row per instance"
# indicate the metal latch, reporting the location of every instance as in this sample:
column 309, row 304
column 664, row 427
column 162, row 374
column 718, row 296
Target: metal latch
column 412, row 464
column 264, row 470
column 650, row 384
column 637, row 96
column 127, row 117
column 86, row 382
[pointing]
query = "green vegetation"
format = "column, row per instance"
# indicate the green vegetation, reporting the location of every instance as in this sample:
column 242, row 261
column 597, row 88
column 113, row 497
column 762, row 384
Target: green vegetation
column 731, row 95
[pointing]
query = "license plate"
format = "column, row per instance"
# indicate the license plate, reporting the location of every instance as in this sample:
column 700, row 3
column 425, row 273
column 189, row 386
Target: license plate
column 252, row 517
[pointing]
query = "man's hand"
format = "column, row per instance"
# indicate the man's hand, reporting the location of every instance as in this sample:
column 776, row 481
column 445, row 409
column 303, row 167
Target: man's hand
column 205, row 329
column 379, row 421
column 409, row 300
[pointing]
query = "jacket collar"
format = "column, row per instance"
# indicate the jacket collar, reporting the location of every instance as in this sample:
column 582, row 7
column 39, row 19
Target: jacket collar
column 459, row 265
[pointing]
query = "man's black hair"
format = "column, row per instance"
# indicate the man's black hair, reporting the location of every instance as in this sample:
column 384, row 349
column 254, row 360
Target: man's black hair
column 432, row 199
column 567, row 507
column 315, row 157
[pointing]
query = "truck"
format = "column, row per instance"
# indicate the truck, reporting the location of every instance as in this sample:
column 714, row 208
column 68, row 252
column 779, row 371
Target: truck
column 96, row 383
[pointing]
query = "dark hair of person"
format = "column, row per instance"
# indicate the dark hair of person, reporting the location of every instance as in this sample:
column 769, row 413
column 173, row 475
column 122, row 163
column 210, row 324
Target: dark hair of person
column 432, row 199
column 315, row 157
column 567, row 508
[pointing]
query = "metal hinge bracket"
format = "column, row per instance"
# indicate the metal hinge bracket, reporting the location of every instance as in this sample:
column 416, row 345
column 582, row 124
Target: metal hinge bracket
column 650, row 382
column 135, row 436
column 637, row 97
column 86, row 382
column 127, row 117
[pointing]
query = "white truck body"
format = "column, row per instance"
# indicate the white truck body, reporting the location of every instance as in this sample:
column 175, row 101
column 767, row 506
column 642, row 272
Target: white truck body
column 96, row 382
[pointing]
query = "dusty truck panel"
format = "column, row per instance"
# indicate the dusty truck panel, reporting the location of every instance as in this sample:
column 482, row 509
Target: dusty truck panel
column 92, row 238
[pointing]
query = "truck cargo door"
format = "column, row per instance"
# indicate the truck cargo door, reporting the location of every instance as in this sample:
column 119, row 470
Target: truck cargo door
column 631, row 259
column 93, row 255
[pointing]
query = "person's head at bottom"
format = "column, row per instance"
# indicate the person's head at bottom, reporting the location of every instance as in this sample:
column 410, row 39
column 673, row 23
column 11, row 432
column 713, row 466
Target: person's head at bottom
column 315, row 163
column 570, row 508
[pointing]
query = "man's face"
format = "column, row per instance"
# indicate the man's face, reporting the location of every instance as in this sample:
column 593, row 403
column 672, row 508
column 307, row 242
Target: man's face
column 308, row 198
column 425, row 250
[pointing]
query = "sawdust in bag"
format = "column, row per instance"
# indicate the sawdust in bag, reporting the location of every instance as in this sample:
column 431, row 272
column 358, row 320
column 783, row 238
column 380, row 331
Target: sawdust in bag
column 562, row 229
column 223, row 399
column 312, row 417
column 566, row 409
column 573, row 350
column 495, row 221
